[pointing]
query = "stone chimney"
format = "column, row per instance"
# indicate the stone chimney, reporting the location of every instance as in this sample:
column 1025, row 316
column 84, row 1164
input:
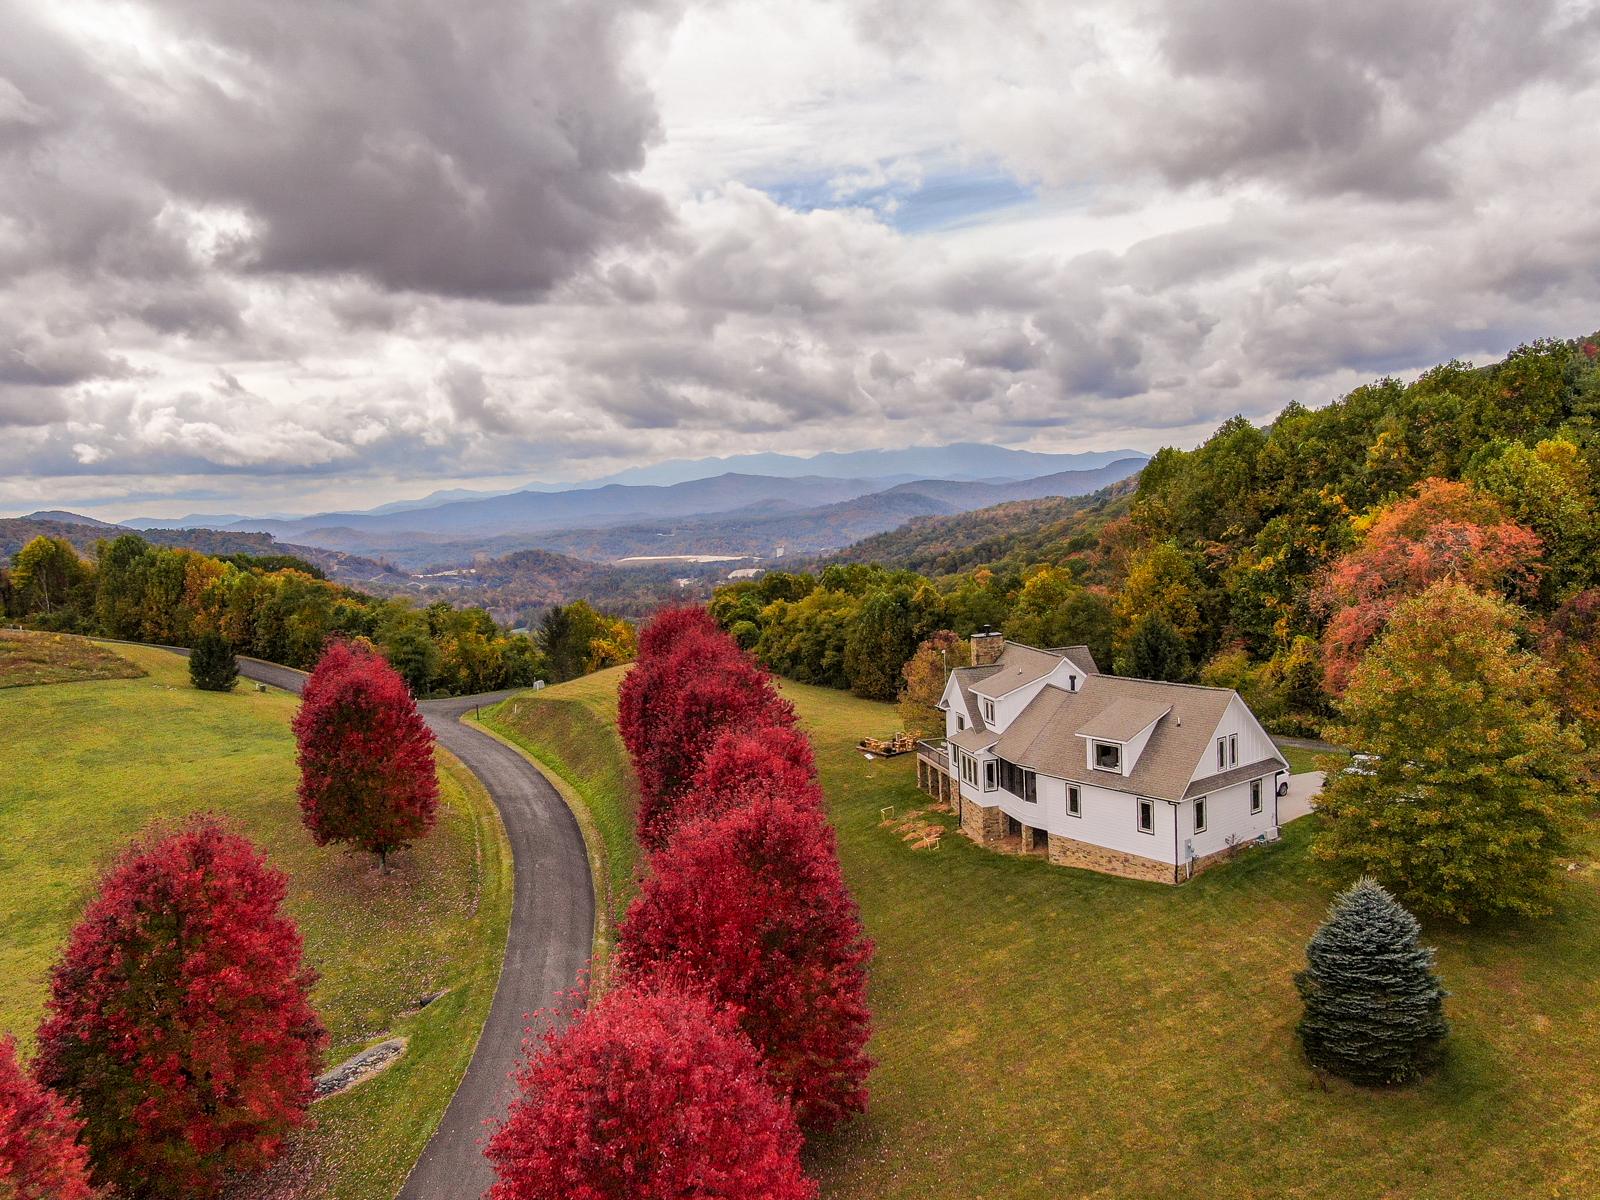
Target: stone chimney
column 987, row 645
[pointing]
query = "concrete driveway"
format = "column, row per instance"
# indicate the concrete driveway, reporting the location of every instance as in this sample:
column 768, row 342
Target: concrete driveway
column 1303, row 791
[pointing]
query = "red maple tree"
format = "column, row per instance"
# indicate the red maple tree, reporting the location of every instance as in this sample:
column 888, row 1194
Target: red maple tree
column 1443, row 530
column 178, row 1023
column 662, row 631
column 647, row 1096
column 746, row 763
column 639, row 697
column 699, row 691
column 365, row 753
column 40, row 1157
column 752, row 906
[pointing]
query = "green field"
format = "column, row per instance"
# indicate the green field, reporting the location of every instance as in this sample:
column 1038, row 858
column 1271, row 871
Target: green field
column 1050, row 1032
column 87, row 766
column 28, row 658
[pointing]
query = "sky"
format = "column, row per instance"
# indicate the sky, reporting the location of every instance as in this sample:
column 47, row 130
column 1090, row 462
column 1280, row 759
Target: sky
column 287, row 257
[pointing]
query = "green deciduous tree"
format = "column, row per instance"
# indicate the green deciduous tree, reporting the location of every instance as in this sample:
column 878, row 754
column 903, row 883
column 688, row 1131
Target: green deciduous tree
column 48, row 574
column 1468, row 785
column 923, row 679
column 1374, row 1010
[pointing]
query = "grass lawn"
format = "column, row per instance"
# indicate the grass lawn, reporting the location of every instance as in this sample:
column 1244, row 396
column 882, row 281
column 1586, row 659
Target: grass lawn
column 1051, row 1032
column 86, row 767
column 28, row 658
column 1301, row 761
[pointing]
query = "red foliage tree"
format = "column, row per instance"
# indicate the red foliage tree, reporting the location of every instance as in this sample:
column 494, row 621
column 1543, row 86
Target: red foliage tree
column 700, row 691
column 751, row 905
column 178, row 1022
column 661, row 634
column 1444, row 530
column 366, row 755
column 1571, row 646
column 746, row 763
column 40, row 1158
column 648, row 1096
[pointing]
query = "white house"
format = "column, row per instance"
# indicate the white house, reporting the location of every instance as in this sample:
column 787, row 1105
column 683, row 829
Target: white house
column 1133, row 777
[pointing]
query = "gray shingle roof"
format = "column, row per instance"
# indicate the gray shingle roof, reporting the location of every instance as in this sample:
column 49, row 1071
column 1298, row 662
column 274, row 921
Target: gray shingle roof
column 965, row 678
column 1215, row 783
column 1081, row 656
column 974, row 739
column 1019, row 666
column 1124, row 719
column 1045, row 736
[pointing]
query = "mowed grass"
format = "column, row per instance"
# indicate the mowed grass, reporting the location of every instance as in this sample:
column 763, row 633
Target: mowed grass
column 28, row 658
column 1050, row 1032
column 85, row 768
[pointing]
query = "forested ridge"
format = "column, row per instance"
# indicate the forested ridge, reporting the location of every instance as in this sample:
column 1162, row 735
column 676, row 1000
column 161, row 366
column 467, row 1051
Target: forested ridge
column 1266, row 559
column 281, row 608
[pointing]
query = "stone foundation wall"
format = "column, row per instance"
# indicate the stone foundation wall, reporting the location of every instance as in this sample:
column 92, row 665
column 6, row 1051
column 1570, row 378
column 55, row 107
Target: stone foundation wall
column 1068, row 852
column 982, row 825
column 1217, row 858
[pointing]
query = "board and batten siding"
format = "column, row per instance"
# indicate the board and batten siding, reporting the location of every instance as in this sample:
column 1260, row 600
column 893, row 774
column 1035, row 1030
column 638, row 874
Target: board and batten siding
column 1110, row 819
column 1254, row 744
column 1227, row 812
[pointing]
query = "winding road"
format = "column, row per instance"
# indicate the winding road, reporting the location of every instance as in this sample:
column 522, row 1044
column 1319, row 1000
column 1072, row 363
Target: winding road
column 552, row 932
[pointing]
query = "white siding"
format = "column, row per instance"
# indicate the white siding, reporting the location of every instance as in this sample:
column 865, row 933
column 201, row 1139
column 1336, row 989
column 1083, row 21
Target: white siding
column 1009, row 707
column 1254, row 744
column 1227, row 812
column 1109, row 818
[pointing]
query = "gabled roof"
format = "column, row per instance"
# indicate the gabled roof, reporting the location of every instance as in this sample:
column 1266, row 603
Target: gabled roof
column 1125, row 718
column 974, row 740
column 1082, row 657
column 1019, row 666
column 1215, row 783
column 965, row 677
column 1044, row 737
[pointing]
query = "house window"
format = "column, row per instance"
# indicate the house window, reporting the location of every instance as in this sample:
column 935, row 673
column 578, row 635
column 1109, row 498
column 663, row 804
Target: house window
column 1072, row 683
column 1021, row 783
column 1233, row 749
column 988, row 775
column 969, row 770
column 1200, row 815
column 1255, row 796
column 1147, row 816
column 988, row 711
column 1074, row 802
column 961, row 722
column 1222, row 754
column 1107, row 756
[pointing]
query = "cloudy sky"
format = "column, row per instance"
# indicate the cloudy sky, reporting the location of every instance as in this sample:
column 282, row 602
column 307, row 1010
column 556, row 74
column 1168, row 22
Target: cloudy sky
column 265, row 255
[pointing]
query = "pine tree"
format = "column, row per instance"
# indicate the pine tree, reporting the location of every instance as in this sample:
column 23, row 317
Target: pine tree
column 212, row 666
column 1155, row 651
column 1374, row 1010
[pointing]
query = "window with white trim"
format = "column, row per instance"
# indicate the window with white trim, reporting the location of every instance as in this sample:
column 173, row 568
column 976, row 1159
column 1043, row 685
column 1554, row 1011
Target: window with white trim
column 1200, row 814
column 969, row 770
column 988, row 711
column 1074, row 802
column 961, row 722
column 1147, row 816
column 1222, row 754
column 1107, row 756
column 1233, row 749
column 1255, row 796
column 989, row 775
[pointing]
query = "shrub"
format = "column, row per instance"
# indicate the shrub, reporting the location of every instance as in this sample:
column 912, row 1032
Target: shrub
column 212, row 666
column 751, row 905
column 647, row 1096
column 367, row 773
column 178, row 1021
column 1374, row 1010
column 40, row 1158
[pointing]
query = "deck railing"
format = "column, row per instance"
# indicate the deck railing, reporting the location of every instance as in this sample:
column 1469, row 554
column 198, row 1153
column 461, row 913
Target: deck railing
column 934, row 752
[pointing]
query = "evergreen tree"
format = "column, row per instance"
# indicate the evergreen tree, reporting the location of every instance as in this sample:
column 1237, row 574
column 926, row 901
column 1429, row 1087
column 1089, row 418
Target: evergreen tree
column 212, row 666
column 1155, row 651
column 1374, row 1010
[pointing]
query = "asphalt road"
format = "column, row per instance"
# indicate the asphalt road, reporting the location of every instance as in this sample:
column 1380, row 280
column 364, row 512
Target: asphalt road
column 552, row 932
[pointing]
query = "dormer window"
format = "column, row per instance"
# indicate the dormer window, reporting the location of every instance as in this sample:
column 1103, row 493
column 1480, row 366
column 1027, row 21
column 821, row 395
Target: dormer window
column 961, row 722
column 988, row 711
column 1107, row 756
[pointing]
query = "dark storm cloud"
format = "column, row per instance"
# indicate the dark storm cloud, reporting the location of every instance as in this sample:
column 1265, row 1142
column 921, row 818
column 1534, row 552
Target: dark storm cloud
column 479, row 149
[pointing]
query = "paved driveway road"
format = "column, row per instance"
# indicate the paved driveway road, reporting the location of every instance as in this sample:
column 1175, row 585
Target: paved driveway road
column 552, row 932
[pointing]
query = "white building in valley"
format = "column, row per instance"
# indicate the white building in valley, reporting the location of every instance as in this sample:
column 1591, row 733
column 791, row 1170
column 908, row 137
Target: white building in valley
column 1133, row 777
